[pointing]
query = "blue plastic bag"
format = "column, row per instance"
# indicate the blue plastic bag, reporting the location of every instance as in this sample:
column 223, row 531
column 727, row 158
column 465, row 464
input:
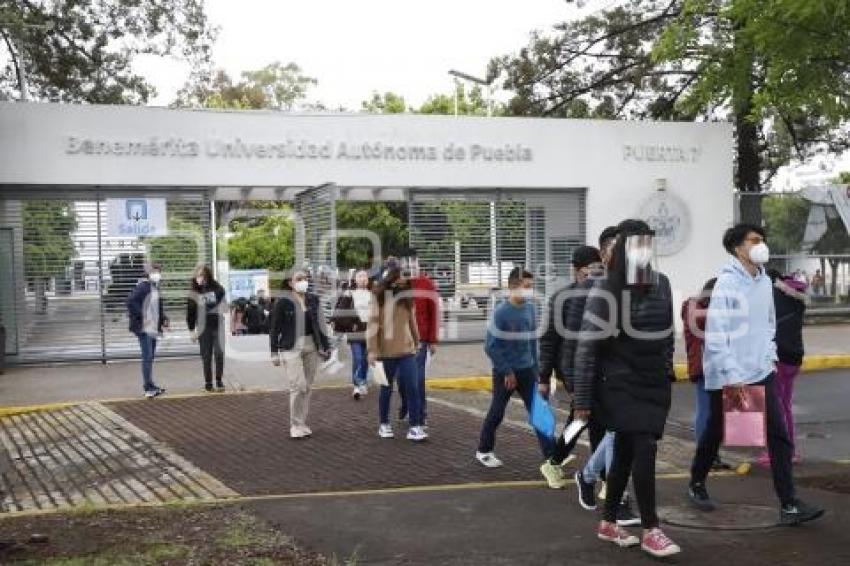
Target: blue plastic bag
column 541, row 417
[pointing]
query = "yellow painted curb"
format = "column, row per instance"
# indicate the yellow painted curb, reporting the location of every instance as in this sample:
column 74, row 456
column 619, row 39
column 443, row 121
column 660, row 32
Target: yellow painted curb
column 471, row 383
column 14, row 411
column 826, row 361
column 817, row 362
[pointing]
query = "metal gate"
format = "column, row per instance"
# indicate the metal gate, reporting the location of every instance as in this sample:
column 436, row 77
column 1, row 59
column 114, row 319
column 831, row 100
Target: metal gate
column 72, row 275
column 315, row 238
column 469, row 240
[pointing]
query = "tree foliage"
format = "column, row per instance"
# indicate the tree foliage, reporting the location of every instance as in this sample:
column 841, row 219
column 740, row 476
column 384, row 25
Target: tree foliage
column 276, row 86
column 778, row 69
column 387, row 220
column 83, row 51
column 48, row 226
column 387, row 103
column 785, row 219
column 266, row 243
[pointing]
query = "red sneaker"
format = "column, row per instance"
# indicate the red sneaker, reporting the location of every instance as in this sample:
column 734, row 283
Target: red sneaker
column 658, row 545
column 612, row 532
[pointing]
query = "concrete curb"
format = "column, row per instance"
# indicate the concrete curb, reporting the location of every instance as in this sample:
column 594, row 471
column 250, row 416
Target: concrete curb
column 813, row 363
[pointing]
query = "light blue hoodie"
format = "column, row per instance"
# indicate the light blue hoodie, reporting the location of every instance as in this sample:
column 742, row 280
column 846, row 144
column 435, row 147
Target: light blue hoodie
column 740, row 328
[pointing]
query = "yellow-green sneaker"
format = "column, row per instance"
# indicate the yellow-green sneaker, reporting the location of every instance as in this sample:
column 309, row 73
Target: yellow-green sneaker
column 554, row 475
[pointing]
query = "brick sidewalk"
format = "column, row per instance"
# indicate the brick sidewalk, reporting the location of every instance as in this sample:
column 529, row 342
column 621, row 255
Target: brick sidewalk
column 243, row 441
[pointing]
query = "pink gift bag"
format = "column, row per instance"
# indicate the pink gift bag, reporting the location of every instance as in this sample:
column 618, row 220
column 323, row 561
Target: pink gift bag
column 744, row 422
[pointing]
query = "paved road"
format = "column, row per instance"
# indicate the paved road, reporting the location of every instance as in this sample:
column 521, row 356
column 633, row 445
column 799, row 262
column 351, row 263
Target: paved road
column 820, row 409
column 538, row 526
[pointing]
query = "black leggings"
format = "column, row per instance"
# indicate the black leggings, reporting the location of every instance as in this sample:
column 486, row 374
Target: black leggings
column 633, row 453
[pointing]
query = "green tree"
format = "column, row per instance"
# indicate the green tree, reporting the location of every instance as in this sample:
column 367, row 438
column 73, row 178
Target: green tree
column 76, row 51
column 48, row 245
column 777, row 69
column 471, row 103
column 785, row 219
column 387, row 103
column 276, row 86
column 265, row 243
column 388, row 220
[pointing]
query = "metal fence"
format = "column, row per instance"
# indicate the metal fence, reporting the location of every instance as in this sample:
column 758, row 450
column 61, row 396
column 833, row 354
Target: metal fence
column 66, row 277
column 470, row 241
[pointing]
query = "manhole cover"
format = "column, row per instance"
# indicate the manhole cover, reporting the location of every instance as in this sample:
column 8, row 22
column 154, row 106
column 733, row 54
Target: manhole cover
column 727, row 517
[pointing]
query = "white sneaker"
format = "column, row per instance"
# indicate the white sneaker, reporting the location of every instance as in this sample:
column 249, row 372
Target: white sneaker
column 416, row 434
column 297, row 432
column 356, row 393
column 364, row 390
column 385, row 431
column 488, row 459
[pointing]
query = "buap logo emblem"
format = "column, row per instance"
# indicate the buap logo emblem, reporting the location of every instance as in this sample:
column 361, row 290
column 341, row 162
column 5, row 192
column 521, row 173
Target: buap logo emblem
column 668, row 215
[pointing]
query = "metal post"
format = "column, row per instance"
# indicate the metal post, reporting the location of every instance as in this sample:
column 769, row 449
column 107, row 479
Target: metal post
column 214, row 232
column 100, row 280
column 456, row 101
column 494, row 256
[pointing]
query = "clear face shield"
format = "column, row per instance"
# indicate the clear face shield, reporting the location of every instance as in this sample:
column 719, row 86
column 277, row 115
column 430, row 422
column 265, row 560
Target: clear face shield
column 641, row 260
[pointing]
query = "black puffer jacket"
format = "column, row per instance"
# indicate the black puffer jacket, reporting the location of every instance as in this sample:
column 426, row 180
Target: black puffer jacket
column 636, row 370
column 552, row 342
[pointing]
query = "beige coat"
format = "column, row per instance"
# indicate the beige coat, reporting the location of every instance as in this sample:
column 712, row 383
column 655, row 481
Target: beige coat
column 392, row 331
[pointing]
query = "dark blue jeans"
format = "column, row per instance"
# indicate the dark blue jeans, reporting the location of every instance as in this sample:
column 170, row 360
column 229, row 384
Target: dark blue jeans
column 403, row 369
column 526, row 384
column 421, row 361
column 778, row 443
column 148, row 345
column 359, row 363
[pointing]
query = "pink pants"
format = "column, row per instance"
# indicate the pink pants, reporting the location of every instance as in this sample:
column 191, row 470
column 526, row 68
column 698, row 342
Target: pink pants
column 785, row 374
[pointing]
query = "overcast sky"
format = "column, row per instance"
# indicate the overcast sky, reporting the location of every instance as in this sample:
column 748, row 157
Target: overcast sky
column 353, row 47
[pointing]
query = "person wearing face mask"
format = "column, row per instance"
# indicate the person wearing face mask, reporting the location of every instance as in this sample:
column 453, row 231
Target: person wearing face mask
column 740, row 350
column 148, row 321
column 511, row 345
column 204, row 317
column 627, row 338
column 299, row 341
column 392, row 338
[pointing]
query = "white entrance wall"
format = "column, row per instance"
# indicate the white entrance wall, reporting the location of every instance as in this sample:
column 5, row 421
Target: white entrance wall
column 621, row 164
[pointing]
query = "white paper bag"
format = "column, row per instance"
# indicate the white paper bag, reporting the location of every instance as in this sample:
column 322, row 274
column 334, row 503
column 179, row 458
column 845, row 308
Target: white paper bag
column 379, row 375
column 573, row 430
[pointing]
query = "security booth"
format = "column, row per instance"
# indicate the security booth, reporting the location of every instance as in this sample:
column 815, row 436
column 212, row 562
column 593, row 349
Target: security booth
column 89, row 194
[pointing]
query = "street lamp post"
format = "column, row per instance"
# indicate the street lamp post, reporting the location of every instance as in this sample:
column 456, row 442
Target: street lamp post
column 467, row 77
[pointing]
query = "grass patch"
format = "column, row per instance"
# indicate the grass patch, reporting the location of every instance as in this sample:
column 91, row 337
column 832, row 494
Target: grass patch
column 154, row 554
column 244, row 533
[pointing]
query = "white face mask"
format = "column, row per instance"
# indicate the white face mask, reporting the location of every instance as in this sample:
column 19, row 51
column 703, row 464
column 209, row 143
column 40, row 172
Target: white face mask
column 200, row 281
column 640, row 256
column 526, row 294
column 155, row 277
column 301, row 286
column 760, row 254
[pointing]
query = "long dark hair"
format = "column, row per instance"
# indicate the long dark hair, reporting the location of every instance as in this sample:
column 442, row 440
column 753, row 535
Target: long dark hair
column 390, row 284
column 207, row 274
